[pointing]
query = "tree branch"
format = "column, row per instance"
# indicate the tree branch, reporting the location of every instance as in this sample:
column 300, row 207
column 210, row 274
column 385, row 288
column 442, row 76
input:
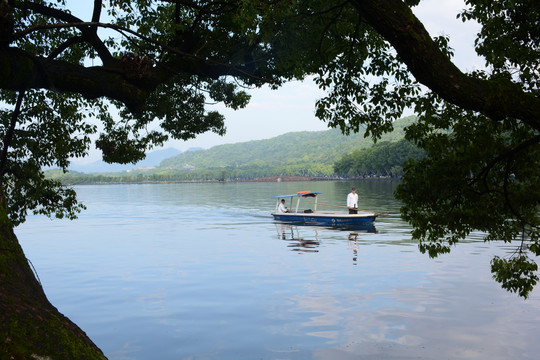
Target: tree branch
column 89, row 33
column 510, row 153
column 497, row 98
column 97, row 11
column 20, row 71
column 204, row 67
column 65, row 45
column 9, row 134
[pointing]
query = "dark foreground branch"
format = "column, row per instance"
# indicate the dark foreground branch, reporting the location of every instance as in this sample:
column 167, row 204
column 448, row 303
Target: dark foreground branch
column 497, row 98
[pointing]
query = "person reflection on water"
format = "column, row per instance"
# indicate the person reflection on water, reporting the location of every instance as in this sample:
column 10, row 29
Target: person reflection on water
column 281, row 208
column 352, row 202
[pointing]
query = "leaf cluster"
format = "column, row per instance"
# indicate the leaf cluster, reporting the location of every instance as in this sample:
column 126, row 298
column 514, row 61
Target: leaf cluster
column 517, row 274
column 51, row 129
column 478, row 175
column 509, row 39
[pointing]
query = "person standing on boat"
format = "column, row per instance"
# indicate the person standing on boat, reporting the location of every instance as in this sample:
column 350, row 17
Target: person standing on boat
column 352, row 202
column 281, row 208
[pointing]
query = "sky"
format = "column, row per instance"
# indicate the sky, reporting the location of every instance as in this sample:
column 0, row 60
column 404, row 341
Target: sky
column 292, row 107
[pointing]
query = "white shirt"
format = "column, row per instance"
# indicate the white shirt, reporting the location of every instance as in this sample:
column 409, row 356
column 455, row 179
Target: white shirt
column 352, row 200
column 281, row 208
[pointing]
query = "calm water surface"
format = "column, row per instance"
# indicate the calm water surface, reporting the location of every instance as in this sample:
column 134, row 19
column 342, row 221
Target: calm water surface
column 201, row 271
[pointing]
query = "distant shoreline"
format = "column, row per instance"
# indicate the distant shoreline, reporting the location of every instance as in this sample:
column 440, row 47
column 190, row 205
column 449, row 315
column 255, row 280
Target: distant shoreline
column 259, row 179
column 286, row 179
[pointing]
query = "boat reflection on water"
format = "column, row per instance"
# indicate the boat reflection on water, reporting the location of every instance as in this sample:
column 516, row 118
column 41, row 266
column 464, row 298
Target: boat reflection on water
column 291, row 233
column 311, row 242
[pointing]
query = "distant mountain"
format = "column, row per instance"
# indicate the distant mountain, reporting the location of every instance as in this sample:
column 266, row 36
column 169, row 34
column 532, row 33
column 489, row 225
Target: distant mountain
column 153, row 159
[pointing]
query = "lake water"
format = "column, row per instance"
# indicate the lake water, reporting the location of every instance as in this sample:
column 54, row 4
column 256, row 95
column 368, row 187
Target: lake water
column 201, row 271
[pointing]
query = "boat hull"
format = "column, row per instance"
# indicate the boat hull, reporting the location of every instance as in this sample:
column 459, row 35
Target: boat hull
column 331, row 219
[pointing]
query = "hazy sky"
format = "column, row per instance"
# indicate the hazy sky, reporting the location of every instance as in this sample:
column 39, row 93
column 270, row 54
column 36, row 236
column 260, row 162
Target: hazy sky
column 292, row 107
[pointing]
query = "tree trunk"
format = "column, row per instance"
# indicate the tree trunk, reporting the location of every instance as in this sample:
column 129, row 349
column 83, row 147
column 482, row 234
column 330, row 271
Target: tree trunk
column 30, row 326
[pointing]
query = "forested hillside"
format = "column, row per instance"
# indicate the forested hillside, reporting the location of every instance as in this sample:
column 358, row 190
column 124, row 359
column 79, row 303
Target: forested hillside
column 382, row 159
column 294, row 154
column 322, row 147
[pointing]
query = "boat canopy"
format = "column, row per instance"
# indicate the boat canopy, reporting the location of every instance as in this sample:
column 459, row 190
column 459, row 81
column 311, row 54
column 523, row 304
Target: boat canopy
column 299, row 194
